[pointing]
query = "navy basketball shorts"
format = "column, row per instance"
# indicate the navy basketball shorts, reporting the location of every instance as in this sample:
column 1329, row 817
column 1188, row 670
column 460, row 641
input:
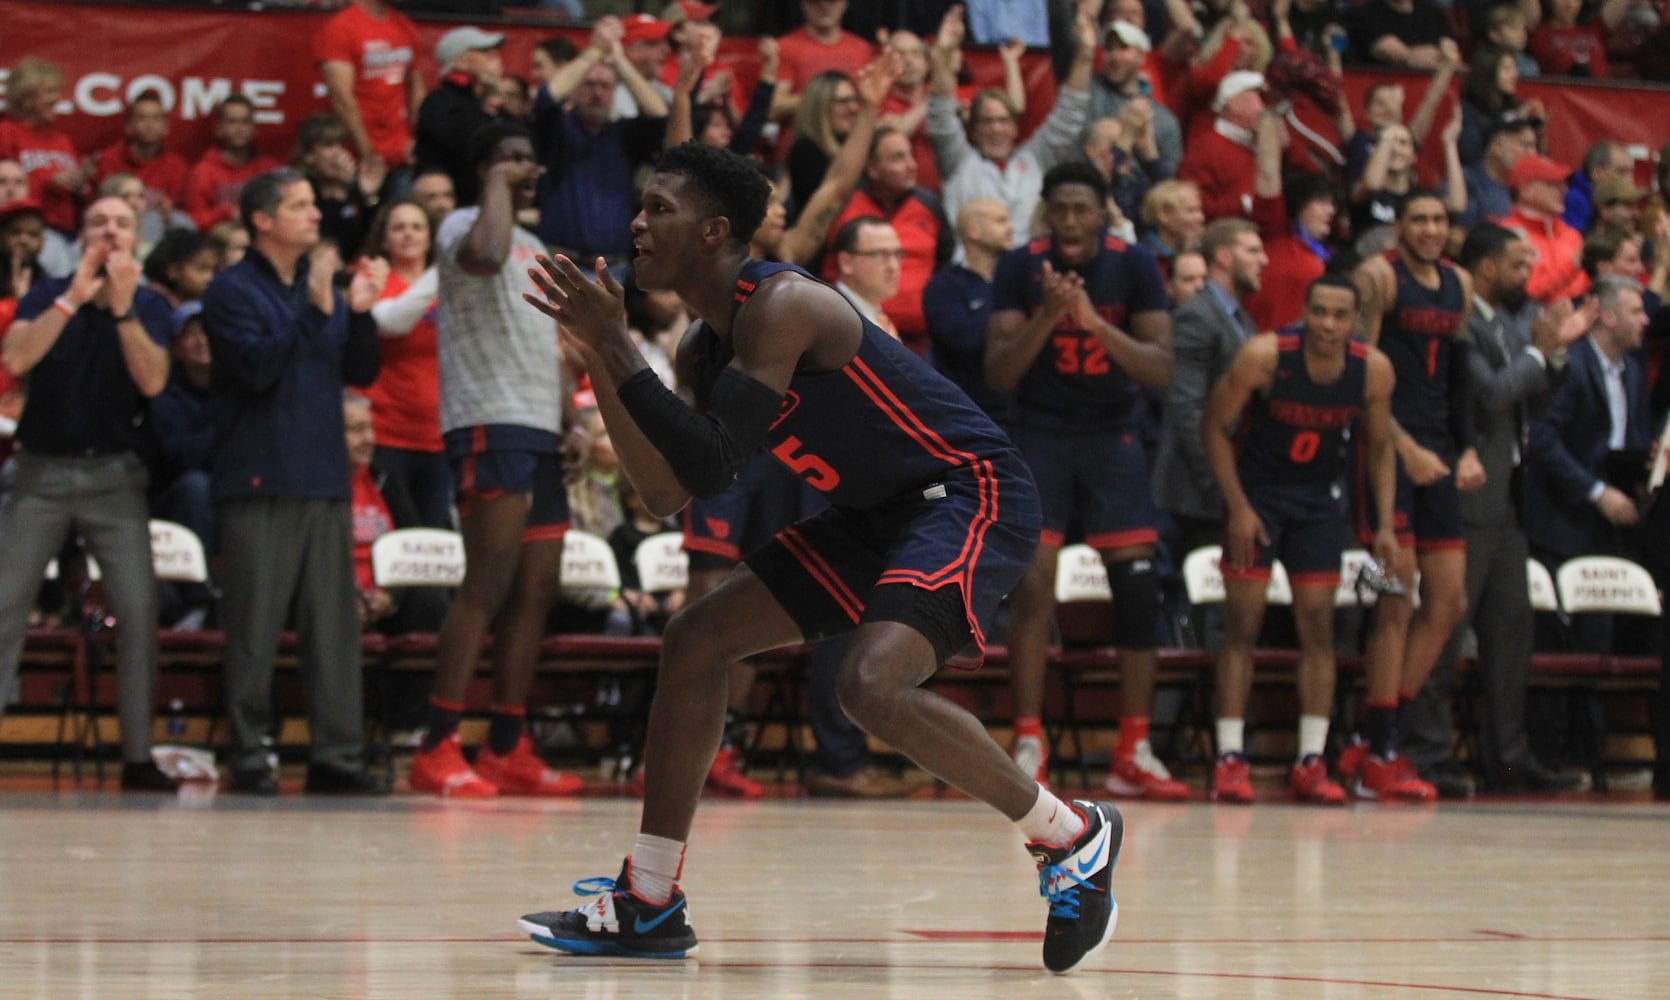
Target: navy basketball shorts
column 1308, row 535
column 765, row 499
column 939, row 561
column 1097, row 480
column 1428, row 518
column 494, row 460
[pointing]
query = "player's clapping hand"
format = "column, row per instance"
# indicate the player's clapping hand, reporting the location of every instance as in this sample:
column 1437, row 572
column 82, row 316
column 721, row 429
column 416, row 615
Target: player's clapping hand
column 589, row 312
column 1423, row 465
column 1062, row 291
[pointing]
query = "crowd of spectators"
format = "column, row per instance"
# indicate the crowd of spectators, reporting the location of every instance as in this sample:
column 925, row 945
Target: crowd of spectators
column 385, row 255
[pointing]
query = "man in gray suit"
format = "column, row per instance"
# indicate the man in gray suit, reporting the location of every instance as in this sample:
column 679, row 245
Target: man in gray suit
column 1206, row 332
column 1517, row 360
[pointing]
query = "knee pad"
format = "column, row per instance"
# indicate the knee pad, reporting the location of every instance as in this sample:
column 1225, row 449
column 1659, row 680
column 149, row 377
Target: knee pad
column 1136, row 603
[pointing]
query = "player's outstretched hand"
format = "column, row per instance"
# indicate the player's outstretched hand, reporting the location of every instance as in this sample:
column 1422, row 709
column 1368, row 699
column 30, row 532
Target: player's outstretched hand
column 589, row 311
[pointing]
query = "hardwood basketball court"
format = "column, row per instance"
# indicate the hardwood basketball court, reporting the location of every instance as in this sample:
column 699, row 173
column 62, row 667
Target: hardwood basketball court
column 105, row 895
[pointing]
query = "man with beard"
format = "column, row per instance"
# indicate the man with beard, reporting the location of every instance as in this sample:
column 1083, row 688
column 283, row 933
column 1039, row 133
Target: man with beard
column 1414, row 306
column 1079, row 327
column 503, row 411
column 1518, row 356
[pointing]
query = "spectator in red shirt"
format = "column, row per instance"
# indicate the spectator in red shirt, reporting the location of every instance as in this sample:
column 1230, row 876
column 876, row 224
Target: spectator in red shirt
column 906, row 107
column 1220, row 160
column 1571, row 40
column 1539, row 196
column 1297, row 226
column 889, row 191
column 219, row 175
column 29, row 134
column 818, row 45
column 140, row 152
column 366, row 55
column 406, row 398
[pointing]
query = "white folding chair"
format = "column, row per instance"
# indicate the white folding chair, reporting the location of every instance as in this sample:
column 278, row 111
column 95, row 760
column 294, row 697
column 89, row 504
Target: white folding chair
column 662, row 563
column 1080, row 575
column 177, row 553
column 1204, row 582
column 1607, row 583
column 1544, row 597
column 588, row 563
column 418, row 557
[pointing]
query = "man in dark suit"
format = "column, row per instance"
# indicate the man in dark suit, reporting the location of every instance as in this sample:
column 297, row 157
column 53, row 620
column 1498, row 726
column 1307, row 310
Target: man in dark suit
column 1588, row 449
column 1517, row 361
column 1207, row 331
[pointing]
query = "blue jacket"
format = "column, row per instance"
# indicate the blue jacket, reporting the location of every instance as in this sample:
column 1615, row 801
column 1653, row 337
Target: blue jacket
column 279, row 368
column 1568, row 450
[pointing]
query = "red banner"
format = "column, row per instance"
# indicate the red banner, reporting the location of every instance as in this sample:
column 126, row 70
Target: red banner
column 110, row 52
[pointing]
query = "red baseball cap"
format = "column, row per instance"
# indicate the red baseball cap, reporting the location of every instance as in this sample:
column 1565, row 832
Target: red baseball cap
column 694, row 10
column 644, row 28
column 1533, row 167
column 22, row 206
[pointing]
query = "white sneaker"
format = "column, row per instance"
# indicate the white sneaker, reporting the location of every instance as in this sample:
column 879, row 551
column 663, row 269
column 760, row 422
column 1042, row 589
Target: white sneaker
column 1031, row 757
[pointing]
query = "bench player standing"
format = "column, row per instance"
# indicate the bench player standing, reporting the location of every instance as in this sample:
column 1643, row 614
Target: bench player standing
column 1413, row 305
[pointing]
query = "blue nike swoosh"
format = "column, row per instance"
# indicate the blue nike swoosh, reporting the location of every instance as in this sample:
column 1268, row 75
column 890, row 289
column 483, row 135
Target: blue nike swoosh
column 642, row 926
column 1096, row 862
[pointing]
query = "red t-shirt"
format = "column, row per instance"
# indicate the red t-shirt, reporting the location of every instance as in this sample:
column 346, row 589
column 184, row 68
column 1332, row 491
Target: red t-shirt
column 213, row 185
column 918, row 230
column 382, row 51
column 1280, row 298
column 1559, row 50
column 45, row 154
column 801, row 57
column 371, row 522
column 164, row 176
column 406, row 398
column 927, row 168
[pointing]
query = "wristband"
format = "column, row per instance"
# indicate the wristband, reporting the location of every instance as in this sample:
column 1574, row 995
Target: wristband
column 64, row 307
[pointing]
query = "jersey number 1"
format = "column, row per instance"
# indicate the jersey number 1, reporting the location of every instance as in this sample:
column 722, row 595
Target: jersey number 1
column 819, row 475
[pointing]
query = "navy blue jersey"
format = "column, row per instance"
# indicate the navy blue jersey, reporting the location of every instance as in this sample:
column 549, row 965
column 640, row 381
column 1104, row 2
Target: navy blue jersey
column 1073, row 383
column 1292, row 437
column 883, row 427
column 1416, row 337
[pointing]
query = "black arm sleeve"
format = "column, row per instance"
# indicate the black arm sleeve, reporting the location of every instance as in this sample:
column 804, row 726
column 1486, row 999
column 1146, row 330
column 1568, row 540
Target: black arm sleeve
column 705, row 451
column 1461, row 397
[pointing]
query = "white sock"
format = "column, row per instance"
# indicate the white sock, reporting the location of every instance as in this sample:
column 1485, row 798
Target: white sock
column 1050, row 821
column 656, row 864
column 1232, row 735
column 1313, row 735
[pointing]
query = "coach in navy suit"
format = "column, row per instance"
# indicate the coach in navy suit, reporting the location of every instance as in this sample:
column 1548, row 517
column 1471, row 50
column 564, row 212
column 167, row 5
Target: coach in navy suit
column 1598, row 419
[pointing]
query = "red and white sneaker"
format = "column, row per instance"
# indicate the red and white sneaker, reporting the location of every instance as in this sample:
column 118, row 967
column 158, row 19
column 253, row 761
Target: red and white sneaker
column 1032, row 757
column 521, row 772
column 1392, row 780
column 726, row 777
column 1232, row 780
column 1309, row 782
column 1142, row 776
column 1351, row 758
column 443, row 771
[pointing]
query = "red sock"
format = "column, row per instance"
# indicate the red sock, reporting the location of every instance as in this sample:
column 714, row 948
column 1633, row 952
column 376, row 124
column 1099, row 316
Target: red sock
column 1133, row 729
column 1029, row 725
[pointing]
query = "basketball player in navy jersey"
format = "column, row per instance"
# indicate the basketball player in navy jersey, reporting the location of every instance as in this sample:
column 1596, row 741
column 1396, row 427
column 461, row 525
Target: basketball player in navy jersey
column 1413, row 306
column 932, row 519
column 1080, row 323
column 1274, row 434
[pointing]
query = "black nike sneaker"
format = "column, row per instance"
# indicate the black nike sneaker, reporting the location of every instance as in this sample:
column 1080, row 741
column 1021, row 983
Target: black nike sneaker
column 1078, row 882
column 616, row 922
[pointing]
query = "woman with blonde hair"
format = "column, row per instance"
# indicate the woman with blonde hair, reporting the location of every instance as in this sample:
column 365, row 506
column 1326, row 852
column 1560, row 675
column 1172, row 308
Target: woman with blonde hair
column 828, row 107
column 58, row 174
